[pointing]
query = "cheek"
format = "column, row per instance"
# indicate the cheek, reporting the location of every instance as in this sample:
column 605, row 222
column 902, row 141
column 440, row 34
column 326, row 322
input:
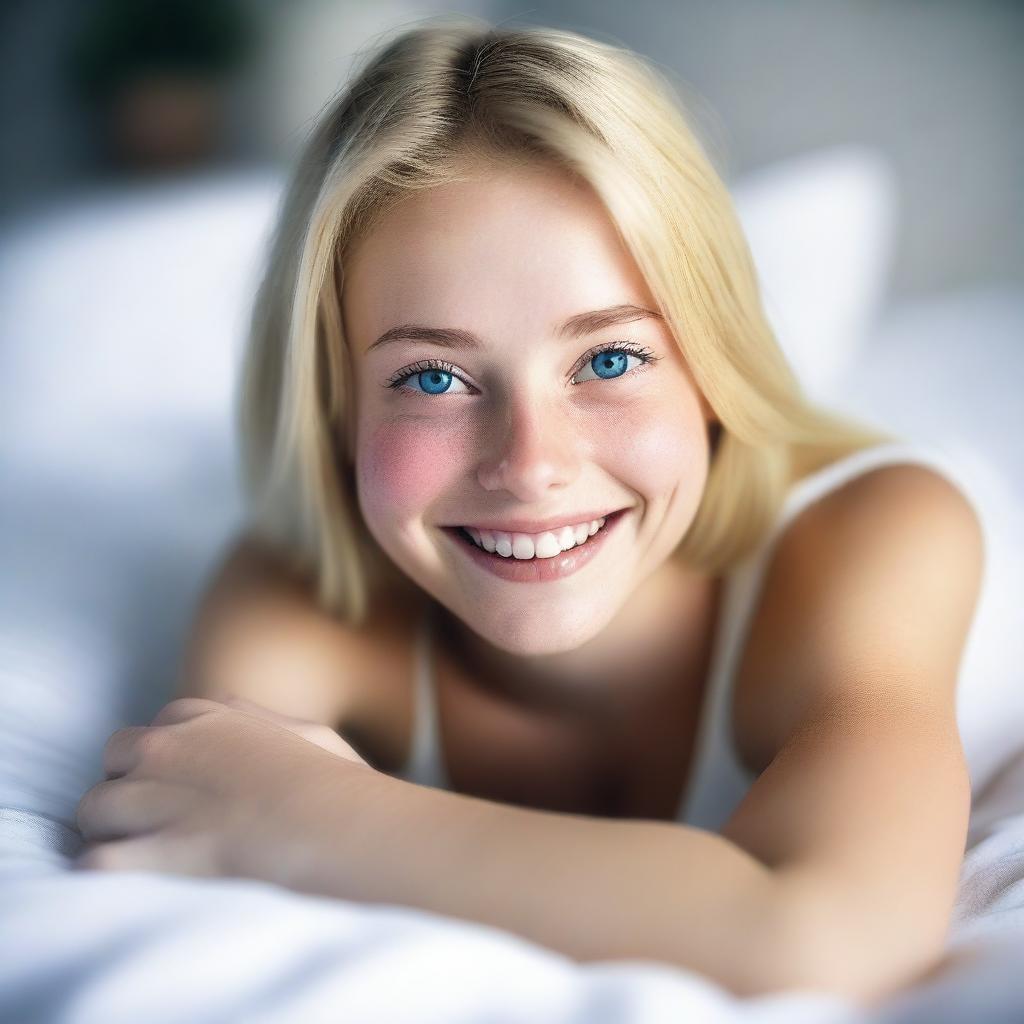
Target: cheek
column 657, row 452
column 405, row 467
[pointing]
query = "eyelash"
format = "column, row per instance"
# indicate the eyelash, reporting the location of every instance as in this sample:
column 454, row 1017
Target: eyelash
column 397, row 382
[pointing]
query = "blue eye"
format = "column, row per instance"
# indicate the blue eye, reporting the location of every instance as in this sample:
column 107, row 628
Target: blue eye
column 611, row 363
column 434, row 380
column 435, row 376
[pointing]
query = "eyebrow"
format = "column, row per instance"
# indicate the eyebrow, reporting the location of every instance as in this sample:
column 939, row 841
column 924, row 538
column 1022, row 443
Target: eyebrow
column 575, row 327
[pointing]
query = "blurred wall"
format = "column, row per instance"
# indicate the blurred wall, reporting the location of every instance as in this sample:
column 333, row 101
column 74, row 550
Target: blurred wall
column 936, row 85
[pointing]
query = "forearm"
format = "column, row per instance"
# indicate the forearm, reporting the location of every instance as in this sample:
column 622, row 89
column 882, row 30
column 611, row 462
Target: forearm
column 590, row 888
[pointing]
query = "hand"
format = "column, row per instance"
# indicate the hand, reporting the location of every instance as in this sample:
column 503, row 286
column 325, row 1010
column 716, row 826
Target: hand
column 209, row 789
column 316, row 732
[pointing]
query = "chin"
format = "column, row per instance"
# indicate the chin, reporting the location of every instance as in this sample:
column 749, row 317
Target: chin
column 537, row 631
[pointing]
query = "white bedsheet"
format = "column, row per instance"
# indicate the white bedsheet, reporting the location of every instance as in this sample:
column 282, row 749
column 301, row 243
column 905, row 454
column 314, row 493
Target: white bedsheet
column 133, row 946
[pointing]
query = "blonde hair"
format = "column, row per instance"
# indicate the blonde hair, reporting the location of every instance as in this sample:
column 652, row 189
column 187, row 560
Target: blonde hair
column 428, row 106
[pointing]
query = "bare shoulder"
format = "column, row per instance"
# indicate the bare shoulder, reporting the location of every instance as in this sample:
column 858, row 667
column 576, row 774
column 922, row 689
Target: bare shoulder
column 854, row 580
column 259, row 632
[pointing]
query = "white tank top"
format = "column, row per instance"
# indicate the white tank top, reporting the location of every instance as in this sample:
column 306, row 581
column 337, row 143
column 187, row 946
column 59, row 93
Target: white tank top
column 717, row 781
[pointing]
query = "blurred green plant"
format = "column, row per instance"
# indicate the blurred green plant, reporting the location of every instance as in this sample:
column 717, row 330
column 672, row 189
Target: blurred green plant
column 120, row 41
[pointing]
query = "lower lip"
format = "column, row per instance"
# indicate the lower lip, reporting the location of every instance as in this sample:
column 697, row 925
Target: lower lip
column 538, row 570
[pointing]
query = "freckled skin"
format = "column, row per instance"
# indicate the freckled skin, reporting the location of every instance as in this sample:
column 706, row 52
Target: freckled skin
column 509, row 256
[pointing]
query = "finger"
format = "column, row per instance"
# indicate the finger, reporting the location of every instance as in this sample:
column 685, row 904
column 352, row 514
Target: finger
column 120, row 808
column 125, row 748
column 184, row 708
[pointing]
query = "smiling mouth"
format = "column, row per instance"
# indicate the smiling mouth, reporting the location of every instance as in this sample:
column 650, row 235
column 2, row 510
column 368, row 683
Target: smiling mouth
column 505, row 552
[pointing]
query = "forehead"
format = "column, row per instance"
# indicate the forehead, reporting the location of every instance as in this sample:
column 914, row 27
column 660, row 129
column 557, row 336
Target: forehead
column 533, row 244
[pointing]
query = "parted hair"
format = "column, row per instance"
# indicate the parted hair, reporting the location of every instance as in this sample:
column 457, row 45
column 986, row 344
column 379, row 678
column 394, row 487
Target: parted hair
column 425, row 107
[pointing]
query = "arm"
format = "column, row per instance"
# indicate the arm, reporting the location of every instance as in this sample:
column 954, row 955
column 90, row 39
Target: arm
column 863, row 807
column 589, row 888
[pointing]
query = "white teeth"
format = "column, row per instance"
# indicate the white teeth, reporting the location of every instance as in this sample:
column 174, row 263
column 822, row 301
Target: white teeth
column 525, row 546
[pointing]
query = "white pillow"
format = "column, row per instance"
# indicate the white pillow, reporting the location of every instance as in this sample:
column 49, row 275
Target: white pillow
column 124, row 318
column 820, row 229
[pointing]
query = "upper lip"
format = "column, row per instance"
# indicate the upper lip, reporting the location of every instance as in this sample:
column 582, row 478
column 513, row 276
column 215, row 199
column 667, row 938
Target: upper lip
column 538, row 525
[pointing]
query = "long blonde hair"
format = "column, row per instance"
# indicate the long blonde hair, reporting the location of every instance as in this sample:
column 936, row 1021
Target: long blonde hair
column 424, row 108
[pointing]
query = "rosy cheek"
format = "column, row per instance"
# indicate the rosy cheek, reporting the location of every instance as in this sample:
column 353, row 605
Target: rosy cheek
column 406, row 468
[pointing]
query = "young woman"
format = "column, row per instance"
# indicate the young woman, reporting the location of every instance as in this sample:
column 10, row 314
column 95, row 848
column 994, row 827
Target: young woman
column 601, row 631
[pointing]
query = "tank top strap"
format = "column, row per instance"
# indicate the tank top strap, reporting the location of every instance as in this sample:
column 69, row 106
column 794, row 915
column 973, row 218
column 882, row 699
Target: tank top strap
column 425, row 764
column 820, row 482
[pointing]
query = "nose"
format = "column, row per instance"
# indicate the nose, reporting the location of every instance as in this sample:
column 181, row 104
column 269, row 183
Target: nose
column 535, row 450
